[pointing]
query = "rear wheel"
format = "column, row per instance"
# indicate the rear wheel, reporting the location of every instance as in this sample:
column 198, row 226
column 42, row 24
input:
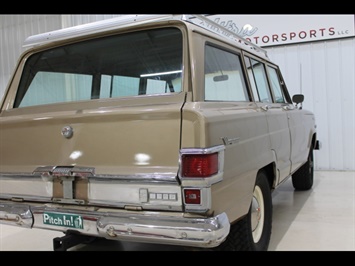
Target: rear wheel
column 302, row 179
column 253, row 232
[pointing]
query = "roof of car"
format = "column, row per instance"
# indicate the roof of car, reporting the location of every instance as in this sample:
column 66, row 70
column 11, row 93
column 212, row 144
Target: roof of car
column 131, row 20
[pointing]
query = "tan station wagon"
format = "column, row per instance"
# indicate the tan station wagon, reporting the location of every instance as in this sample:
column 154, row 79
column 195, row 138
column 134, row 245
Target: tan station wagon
column 165, row 129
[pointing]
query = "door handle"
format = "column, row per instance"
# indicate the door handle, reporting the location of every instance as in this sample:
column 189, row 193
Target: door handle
column 265, row 107
column 287, row 107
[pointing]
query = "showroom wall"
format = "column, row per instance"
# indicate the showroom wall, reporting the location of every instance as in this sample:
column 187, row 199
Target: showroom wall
column 324, row 73
column 323, row 70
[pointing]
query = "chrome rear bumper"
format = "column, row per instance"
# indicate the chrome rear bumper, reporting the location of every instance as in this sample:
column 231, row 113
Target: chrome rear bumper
column 148, row 227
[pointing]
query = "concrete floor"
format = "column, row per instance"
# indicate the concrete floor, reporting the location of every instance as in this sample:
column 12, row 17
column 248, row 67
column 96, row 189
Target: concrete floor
column 321, row 219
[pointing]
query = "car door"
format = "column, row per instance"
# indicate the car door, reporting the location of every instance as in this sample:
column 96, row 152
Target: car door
column 270, row 99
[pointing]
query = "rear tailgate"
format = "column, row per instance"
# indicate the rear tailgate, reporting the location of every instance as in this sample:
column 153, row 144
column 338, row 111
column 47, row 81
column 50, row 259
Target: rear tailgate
column 121, row 152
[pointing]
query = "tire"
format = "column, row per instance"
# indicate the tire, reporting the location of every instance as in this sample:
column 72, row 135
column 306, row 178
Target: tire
column 302, row 179
column 253, row 232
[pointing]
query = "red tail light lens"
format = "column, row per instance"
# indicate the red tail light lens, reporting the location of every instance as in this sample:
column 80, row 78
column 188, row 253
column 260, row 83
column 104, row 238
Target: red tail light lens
column 192, row 196
column 199, row 165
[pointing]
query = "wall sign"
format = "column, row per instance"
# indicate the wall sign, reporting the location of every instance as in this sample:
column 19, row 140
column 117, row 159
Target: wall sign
column 268, row 30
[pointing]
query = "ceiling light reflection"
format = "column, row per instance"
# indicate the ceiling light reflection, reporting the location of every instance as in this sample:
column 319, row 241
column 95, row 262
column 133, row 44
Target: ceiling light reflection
column 142, row 159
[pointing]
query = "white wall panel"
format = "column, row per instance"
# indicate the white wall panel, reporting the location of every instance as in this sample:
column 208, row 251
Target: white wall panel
column 347, row 80
column 324, row 73
column 75, row 20
column 14, row 29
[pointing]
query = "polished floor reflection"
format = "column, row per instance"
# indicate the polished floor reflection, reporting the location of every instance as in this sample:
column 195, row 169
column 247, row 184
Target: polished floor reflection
column 321, row 219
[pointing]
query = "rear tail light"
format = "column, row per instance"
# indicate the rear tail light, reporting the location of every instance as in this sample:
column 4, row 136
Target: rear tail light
column 199, row 165
column 200, row 168
column 192, row 196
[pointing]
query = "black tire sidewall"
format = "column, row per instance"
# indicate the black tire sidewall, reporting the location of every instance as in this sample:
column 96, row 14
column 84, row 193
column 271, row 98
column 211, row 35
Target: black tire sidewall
column 302, row 179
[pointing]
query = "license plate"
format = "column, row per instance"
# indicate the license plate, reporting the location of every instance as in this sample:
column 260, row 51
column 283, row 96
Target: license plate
column 63, row 219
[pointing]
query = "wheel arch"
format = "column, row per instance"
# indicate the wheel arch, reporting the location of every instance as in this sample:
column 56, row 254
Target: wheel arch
column 270, row 171
column 315, row 143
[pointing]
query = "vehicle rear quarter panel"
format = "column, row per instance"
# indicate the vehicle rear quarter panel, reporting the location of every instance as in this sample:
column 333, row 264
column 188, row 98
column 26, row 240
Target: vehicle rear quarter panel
column 205, row 124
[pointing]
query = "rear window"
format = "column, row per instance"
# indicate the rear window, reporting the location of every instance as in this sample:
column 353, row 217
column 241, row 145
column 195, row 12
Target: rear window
column 139, row 63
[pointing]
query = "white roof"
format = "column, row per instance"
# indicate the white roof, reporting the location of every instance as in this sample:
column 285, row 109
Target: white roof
column 126, row 20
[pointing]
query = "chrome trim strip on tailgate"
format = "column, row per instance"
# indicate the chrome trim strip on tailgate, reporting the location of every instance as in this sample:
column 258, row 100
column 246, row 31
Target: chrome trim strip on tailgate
column 165, row 228
column 74, row 185
column 44, row 174
column 148, row 197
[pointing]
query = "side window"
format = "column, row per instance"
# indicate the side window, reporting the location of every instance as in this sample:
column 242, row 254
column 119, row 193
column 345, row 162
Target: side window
column 224, row 79
column 276, row 85
column 258, row 80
